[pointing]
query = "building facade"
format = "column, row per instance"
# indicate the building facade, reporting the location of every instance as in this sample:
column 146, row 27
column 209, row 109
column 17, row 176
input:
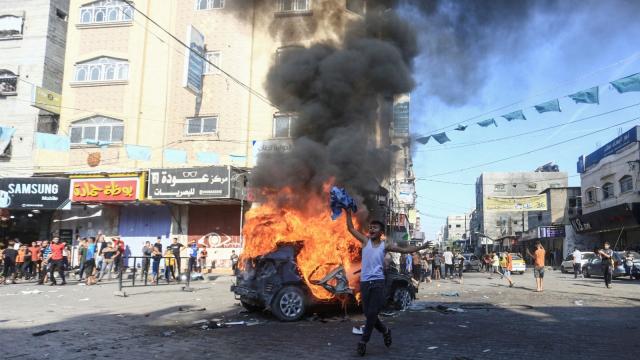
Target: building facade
column 609, row 189
column 503, row 200
column 456, row 230
column 32, row 49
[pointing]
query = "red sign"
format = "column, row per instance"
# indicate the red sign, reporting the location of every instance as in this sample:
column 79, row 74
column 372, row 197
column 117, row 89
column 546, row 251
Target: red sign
column 104, row 190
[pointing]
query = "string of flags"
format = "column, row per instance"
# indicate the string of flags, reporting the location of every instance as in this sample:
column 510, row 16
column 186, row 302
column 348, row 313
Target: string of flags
column 588, row 96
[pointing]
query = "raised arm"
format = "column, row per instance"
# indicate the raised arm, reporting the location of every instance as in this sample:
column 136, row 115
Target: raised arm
column 391, row 247
column 356, row 234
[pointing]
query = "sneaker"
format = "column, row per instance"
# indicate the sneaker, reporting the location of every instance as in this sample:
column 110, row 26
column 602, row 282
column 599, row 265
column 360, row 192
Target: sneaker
column 362, row 348
column 387, row 338
column 511, row 285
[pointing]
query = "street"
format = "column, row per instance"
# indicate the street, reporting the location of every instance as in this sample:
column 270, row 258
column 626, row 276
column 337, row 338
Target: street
column 571, row 319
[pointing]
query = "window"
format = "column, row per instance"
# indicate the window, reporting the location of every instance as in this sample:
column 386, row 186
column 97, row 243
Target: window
column 8, row 83
column 607, row 190
column 626, row 184
column 498, row 187
column 102, row 69
column 591, row 195
column 293, row 5
column 11, row 26
column 106, row 11
column 532, row 186
column 458, row 225
column 515, row 222
column 214, row 58
column 282, row 125
column 554, row 185
column 202, row 125
column 209, row 4
column 97, row 129
column 449, row 226
column 357, row 6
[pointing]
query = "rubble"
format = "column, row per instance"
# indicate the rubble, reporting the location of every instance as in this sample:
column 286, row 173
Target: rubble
column 44, row 332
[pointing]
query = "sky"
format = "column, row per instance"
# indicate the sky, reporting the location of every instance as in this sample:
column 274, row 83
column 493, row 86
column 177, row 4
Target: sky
column 542, row 54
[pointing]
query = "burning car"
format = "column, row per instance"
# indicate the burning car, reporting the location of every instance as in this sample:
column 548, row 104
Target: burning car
column 275, row 282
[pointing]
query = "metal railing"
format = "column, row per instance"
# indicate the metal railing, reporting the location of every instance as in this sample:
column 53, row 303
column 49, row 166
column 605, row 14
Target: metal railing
column 147, row 262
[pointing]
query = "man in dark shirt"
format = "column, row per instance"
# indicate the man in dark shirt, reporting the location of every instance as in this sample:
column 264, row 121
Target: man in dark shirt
column 146, row 253
column 10, row 255
column 175, row 249
column 608, row 263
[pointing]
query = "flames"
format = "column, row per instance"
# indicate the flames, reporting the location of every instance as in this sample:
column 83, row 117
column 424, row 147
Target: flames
column 326, row 243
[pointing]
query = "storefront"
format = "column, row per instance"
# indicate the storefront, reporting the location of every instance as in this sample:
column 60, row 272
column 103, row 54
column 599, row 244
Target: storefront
column 619, row 225
column 27, row 205
column 97, row 203
column 212, row 198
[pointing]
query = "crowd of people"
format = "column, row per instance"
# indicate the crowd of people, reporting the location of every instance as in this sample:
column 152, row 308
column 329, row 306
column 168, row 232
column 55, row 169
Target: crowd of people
column 98, row 257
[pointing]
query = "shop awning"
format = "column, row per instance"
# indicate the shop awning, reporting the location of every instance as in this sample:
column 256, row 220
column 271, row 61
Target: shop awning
column 98, row 213
column 610, row 219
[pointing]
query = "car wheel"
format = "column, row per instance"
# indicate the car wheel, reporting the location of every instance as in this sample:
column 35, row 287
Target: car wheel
column 521, row 272
column 251, row 307
column 289, row 304
column 563, row 270
column 401, row 298
column 587, row 273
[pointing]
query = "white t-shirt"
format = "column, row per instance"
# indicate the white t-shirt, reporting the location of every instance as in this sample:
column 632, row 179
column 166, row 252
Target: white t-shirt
column 448, row 257
column 577, row 256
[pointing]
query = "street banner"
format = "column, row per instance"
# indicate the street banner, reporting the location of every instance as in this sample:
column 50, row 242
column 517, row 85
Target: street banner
column 516, row 203
column 209, row 182
column 34, row 193
column 406, row 193
column 107, row 189
column 194, row 62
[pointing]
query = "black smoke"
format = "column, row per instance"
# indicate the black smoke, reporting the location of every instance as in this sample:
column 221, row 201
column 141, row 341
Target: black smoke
column 341, row 94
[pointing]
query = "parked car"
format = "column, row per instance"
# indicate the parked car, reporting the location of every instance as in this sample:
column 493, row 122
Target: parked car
column 567, row 264
column 594, row 266
column 517, row 263
column 274, row 282
column 472, row 262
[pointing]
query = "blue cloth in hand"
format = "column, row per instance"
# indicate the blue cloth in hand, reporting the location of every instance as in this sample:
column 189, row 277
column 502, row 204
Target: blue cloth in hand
column 340, row 200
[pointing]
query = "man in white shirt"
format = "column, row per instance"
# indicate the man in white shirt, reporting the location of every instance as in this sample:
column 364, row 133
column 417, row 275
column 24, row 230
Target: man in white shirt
column 448, row 263
column 577, row 263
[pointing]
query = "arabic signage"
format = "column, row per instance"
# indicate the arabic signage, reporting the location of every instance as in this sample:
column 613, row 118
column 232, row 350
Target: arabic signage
column 107, row 189
column 34, row 193
column 551, row 232
column 516, row 203
column 194, row 63
column 47, row 100
column 211, row 182
column 612, row 147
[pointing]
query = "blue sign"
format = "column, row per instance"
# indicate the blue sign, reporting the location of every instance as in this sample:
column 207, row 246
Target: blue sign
column 580, row 164
column 612, row 147
column 194, row 62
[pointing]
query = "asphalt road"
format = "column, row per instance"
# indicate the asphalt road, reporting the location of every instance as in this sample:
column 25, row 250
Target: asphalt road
column 571, row 319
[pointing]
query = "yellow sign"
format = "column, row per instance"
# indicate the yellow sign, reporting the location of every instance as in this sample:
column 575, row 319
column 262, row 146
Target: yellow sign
column 516, row 203
column 413, row 216
column 47, row 100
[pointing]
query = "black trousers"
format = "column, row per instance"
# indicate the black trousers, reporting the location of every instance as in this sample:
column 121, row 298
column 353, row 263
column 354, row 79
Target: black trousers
column 178, row 263
column 192, row 264
column 577, row 270
column 59, row 266
column 448, row 270
column 607, row 272
column 9, row 269
column 372, row 302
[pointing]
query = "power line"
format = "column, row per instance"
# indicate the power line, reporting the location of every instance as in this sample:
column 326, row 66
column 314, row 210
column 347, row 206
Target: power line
column 627, row 59
column 500, row 183
column 440, row 148
column 236, row 80
column 532, row 151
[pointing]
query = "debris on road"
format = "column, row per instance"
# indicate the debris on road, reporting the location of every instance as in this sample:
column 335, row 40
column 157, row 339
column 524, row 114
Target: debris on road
column 44, row 332
column 388, row 313
column 450, row 293
column 432, row 347
column 357, row 330
column 168, row 333
column 579, row 302
column 232, row 323
column 85, row 299
column 486, row 350
column 31, row 292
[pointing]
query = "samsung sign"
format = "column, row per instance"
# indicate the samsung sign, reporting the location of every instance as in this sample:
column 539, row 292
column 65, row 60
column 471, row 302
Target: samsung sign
column 610, row 148
column 34, row 193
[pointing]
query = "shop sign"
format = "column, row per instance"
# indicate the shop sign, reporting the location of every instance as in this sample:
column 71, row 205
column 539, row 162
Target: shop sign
column 551, row 232
column 47, row 100
column 34, row 193
column 611, row 147
column 114, row 189
column 211, row 182
column 194, row 63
